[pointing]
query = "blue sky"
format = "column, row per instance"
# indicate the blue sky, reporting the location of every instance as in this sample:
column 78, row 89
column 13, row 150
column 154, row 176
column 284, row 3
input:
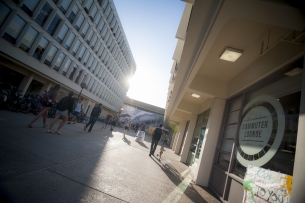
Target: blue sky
column 150, row 28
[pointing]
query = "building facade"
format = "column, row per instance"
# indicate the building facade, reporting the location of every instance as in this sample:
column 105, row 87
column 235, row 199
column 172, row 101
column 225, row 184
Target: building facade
column 237, row 91
column 66, row 42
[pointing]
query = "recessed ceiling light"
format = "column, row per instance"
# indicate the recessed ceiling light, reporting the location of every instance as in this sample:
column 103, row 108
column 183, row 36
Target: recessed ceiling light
column 231, row 54
column 195, row 95
column 294, row 72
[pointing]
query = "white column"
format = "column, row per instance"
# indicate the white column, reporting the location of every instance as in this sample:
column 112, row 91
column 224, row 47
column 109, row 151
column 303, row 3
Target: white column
column 179, row 136
column 25, row 83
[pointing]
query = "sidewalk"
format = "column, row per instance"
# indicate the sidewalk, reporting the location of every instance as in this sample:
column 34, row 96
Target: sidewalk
column 87, row 167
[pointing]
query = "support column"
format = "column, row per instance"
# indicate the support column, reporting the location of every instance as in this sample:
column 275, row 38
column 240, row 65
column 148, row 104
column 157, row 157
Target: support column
column 188, row 138
column 25, row 83
column 45, row 87
column 297, row 193
column 179, row 137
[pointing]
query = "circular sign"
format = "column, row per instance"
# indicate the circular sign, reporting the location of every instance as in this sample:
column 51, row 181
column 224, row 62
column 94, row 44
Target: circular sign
column 261, row 131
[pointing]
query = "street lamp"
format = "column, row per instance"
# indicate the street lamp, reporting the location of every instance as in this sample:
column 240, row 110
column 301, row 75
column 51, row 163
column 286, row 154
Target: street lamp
column 82, row 85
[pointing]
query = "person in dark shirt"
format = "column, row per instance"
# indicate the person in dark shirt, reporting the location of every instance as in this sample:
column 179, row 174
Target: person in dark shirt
column 156, row 136
column 95, row 113
column 64, row 106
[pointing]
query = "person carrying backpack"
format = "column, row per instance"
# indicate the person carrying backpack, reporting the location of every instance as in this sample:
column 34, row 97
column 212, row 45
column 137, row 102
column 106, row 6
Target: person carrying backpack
column 96, row 111
column 47, row 100
column 64, row 106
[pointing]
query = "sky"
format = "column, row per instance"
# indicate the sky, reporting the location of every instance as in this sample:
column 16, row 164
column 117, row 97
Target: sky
column 150, row 27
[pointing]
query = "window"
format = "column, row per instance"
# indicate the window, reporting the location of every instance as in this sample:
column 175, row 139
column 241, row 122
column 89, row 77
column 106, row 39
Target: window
column 101, row 26
column 88, row 5
column 105, row 4
column 78, row 76
column 40, row 48
column 85, row 77
column 54, row 24
column 73, row 72
column 79, row 22
column 50, row 55
column 90, row 62
column 98, row 46
column 69, row 41
column 29, row 6
column 77, row 44
column 86, row 58
column 28, row 39
column 73, row 13
column 66, row 67
column 89, row 37
column 81, row 54
column 65, row 5
column 94, row 11
column 43, row 14
column 59, row 61
column 14, row 29
column 93, row 42
column 62, row 33
column 98, row 19
column 81, row 1
column 86, row 27
column 4, row 11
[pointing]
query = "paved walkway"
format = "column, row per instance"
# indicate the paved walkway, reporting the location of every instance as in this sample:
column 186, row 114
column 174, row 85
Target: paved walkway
column 81, row 167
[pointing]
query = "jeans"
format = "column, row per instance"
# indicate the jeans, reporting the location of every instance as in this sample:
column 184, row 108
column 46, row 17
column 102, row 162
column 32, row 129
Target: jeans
column 154, row 144
column 91, row 123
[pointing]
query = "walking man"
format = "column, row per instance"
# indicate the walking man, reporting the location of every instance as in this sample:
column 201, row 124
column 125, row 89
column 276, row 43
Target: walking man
column 155, row 137
column 77, row 110
column 127, row 125
column 95, row 113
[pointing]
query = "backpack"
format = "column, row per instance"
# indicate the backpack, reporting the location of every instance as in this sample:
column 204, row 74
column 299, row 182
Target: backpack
column 63, row 104
column 46, row 99
column 95, row 111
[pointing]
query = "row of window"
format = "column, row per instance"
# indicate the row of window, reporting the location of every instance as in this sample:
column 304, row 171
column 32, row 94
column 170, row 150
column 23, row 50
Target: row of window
column 17, row 25
column 97, row 47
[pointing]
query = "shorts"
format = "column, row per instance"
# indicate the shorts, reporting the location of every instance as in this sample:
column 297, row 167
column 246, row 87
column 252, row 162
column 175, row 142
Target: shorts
column 62, row 113
column 76, row 113
column 126, row 127
column 113, row 123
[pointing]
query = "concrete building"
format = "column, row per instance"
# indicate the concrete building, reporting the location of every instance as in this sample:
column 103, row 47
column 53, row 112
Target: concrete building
column 66, row 42
column 235, row 61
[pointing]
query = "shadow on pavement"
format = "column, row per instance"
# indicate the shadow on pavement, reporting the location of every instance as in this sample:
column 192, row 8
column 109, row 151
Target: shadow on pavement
column 126, row 140
column 142, row 144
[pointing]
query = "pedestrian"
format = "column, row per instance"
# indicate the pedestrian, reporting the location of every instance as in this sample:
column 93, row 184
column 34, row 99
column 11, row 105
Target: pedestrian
column 107, row 120
column 95, row 113
column 136, row 128
column 64, row 106
column 155, row 137
column 47, row 101
column 114, row 121
column 141, row 133
column 77, row 110
column 127, row 125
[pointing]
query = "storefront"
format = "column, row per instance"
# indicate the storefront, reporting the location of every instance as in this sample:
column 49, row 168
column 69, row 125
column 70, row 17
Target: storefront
column 260, row 128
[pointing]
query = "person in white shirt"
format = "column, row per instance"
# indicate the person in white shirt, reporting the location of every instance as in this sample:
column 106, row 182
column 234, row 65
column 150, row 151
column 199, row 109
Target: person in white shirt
column 127, row 125
column 77, row 110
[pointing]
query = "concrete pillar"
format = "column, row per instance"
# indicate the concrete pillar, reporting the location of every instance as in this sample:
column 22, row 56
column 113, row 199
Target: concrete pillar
column 45, row 86
column 179, row 137
column 298, row 183
column 209, row 142
column 25, row 83
column 188, row 138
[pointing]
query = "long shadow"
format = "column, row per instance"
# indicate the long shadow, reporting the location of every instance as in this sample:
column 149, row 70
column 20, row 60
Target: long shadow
column 126, row 140
column 142, row 144
column 175, row 177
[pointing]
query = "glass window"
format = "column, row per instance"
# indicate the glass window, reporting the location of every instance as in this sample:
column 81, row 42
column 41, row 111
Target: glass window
column 40, row 48
column 62, row 33
column 77, row 44
column 78, row 76
column 59, row 61
column 93, row 42
column 98, row 46
column 81, row 1
column 89, row 36
column 66, row 67
column 69, row 41
column 73, row 13
column 73, row 71
column 14, row 29
column 54, row 24
column 28, row 39
column 102, row 26
column 79, row 22
column 105, row 4
column 86, row 58
column 4, row 11
column 85, row 77
column 43, row 14
column 29, row 6
column 98, row 19
column 65, row 5
column 86, row 27
column 94, row 11
column 81, row 54
column 90, row 62
column 88, row 5
column 50, row 55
